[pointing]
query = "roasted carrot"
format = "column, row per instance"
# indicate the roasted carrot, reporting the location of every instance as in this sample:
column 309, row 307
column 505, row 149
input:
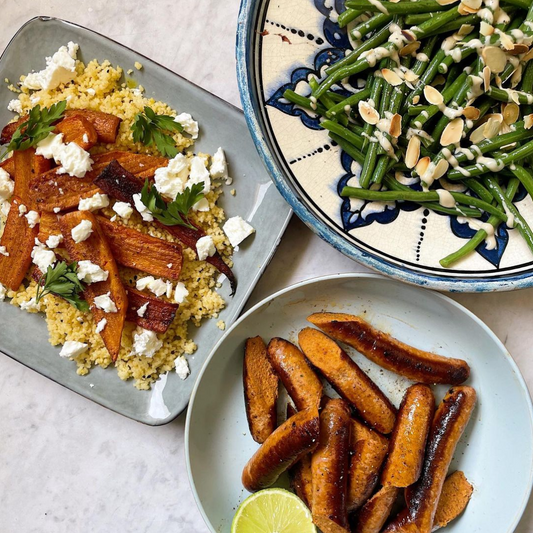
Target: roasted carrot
column 158, row 314
column 8, row 165
column 27, row 166
column 96, row 249
column 106, row 125
column 9, row 129
column 79, row 130
column 48, row 226
column 18, row 239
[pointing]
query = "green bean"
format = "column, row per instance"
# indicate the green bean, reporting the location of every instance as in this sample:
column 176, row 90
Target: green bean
column 525, row 177
column 454, row 25
column 465, row 52
column 417, row 109
column 348, row 16
column 335, row 97
column 353, row 152
column 420, row 196
column 394, row 185
column 529, row 18
column 524, row 4
column 520, row 153
column 481, row 234
column 352, row 100
column 477, row 187
column 503, row 95
column 418, row 18
column 375, row 95
column 527, row 86
column 400, row 8
column 373, row 23
column 304, row 102
column 334, row 127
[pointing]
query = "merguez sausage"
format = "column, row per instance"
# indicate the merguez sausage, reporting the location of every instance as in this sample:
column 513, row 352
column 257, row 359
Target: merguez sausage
column 348, row 379
column 375, row 512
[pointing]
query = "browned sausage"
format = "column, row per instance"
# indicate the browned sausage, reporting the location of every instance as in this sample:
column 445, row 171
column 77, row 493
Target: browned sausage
column 454, row 498
column 375, row 512
column 390, row 353
column 287, row 445
column 369, row 449
column 450, row 421
column 301, row 382
column 329, row 466
column 260, row 390
column 408, row 441
column 348, row 379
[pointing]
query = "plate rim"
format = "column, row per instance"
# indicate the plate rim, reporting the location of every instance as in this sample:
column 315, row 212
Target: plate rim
column 347, row 276
column 249, row 100
column 246, row 295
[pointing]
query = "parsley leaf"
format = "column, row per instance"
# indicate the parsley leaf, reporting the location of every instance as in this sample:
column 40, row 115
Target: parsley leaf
column 149, row 128
column 36, row 128
column 62, row 280
column 174, row 213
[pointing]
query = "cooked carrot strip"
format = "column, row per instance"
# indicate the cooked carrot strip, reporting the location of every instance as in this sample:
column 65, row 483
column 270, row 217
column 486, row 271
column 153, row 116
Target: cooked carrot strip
column 117, row 182
column 158, row 314
column 51, row 190
column 96, row 249
column 28, row 166
column 19, row 239
column 9, row 165
column 134, row 249
column 48, row 226
column 106, row 125
column 79, row 130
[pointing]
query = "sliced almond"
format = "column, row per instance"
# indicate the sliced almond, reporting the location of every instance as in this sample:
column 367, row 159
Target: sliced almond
column 368, row 113
column 410, row 48
column 486, row 78
column 465, row 29
column 391, row 77
column 506, row 41
column 472, row 4
column 465, row 10
column 412, row 155
column 441, row 169
column 471, row 113
column 516, row 78
column 477, row 135
column 439, row 80
column 510, row 113
column 453, row 132
column 396, row 126
column 492, row 128
column 433, row 96
column 494, row 58
column 409, row 35
column 528, row 122
column 486, row 29
column 422, row 165
column 416, row 99
column 528, row 56
column 514, row 96
column 446, row 2
column 519, row 49
column 505, row 128
column 411, row 76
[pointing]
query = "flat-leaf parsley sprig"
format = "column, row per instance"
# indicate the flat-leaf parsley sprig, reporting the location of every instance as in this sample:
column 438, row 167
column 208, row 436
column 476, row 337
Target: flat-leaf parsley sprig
column 149, row 128
column 62, row 280
column 174, row 213
column 38, row 126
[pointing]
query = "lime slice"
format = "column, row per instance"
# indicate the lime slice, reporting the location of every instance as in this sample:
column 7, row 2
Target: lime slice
column 273, row 511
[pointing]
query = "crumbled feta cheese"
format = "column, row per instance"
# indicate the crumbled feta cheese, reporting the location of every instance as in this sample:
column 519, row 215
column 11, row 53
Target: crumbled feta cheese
column 60, row 68
column 113, row 218
column 42, row 257
column 91, row 273
column 181, row 293
column 74, row 160
column 170, row 180
column 157, row 286
column 91, row 91
column 3, row 251
column 33, row 218
column 190, row 125
column 73, row 349
column 30, row 305
column 85, row 138
column 97, row 201
column 15, row 106
column 82, row 231
column 123, row 209
column 4, row 208
column 170, row 265
column 101, row 325
column 199, row 174
column 142, row 209
column 182, row 367
column 237, row 230
column 22, row 210
column 105, row 303
column 145, row 342
column 3, row 293
column 57, row 209
column 205, row 247
column 201, row 205
column 142, row 310
column 219, row 165
column 54, row 241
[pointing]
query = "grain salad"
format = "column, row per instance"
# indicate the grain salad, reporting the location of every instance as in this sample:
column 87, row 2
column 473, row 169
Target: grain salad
column 142, row 354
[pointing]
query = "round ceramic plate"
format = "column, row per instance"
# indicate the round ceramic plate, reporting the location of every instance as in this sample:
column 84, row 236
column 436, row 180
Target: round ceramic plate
column 496, row 451
column 281, row 45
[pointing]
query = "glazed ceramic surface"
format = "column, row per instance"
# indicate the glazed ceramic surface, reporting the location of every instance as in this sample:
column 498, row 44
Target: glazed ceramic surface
column 24, row 336
column 496, row 451
column 282, row 45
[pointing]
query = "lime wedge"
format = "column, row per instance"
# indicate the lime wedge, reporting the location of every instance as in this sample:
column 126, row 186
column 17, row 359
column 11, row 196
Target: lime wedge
column 273, row 511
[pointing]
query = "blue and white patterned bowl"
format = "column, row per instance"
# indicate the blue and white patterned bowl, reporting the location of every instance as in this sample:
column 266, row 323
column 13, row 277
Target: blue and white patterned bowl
column 280, row 45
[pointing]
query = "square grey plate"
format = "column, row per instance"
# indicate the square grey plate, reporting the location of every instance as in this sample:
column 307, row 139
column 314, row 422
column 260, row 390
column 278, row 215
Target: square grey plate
column 24, row 337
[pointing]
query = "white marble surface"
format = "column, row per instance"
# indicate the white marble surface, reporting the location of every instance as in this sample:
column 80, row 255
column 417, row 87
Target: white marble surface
column 67, row 464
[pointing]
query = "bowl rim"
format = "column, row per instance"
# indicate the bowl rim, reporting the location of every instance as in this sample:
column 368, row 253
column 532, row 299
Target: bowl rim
column 247, row 90
column 347, row 276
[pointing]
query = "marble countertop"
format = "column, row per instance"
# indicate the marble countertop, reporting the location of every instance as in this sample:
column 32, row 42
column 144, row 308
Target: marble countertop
column 67, row 464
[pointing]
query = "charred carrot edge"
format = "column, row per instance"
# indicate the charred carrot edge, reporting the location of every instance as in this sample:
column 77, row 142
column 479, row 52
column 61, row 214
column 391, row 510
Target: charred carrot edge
column 260, row 390
column 9, row 129
column 390, row 353
column 27, row 165
column 105, row 124
column 117, row 182
column 19, row 239
column 96, row 249
column 158, row 315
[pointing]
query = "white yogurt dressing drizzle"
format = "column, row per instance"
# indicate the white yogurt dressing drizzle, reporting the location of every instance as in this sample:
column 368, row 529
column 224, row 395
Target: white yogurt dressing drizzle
column 445, row 198
column 490, row 239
